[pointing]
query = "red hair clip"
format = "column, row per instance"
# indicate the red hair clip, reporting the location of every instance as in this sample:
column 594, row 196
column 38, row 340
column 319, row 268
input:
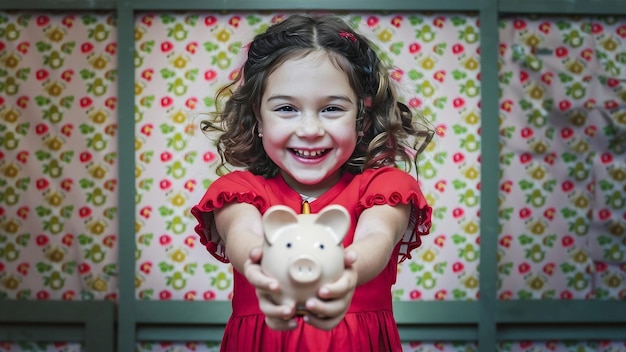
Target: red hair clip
column 347, row 35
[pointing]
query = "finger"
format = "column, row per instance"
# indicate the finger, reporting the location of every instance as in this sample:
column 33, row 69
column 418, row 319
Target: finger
column 258, row 279
column 274, row 310
column 256, row 254
column 349, row 258
column 327, row 309
column 340, row 288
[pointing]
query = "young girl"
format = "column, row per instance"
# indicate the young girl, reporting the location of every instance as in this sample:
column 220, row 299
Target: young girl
column 313, row 117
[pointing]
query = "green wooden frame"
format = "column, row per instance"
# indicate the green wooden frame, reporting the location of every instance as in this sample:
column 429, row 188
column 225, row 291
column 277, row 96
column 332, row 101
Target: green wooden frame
column 91, row 323
column 486, row 321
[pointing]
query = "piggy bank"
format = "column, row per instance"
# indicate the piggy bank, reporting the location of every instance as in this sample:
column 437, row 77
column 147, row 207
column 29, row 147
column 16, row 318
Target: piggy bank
column 303, row 251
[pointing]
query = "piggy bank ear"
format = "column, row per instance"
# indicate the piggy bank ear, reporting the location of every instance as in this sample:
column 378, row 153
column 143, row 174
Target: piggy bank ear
column 336, row 218
column 275, row 218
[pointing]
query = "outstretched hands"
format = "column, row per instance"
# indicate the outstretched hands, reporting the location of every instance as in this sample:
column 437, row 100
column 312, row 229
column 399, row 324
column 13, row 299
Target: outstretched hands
column 324, row 311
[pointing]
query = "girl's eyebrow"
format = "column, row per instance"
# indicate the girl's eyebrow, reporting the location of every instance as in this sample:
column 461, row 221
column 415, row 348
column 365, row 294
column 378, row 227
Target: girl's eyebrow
column 329, row 98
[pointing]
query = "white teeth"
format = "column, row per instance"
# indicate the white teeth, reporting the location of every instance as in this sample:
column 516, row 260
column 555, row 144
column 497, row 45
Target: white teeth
column 309, row 153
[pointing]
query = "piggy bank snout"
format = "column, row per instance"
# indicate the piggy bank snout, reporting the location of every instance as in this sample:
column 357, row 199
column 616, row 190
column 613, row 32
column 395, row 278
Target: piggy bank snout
column 305, row 269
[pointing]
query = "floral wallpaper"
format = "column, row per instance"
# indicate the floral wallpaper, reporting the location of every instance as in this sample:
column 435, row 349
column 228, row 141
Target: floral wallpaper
column 562, row 165
column 563, row 161
column 58, row 157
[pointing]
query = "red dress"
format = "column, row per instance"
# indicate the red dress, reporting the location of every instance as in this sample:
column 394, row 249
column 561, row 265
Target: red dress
column 369, row 324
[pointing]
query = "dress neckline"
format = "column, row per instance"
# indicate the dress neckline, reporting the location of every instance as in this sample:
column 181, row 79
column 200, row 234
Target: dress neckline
column 331, row 193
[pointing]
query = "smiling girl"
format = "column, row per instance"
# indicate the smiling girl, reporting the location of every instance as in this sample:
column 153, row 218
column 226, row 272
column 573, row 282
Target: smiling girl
column 313, row 116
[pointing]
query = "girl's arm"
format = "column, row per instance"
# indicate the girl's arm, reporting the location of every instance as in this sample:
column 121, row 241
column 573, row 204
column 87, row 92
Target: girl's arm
column 378, row 230
column 240, row 227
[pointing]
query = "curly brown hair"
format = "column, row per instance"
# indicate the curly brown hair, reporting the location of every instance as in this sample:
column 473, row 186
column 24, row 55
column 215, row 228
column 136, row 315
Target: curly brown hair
column 385, row 125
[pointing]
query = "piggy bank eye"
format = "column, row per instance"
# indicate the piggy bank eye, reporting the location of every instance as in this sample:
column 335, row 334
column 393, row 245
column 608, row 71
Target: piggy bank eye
column 288, row 245
column 319, row 245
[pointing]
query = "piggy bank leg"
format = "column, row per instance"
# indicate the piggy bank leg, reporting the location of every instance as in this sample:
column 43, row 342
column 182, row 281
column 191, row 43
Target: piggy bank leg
column 301, row 310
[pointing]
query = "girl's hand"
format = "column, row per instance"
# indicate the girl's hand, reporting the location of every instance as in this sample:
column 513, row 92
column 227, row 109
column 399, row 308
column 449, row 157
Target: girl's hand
column 333, row 301
column 277, row 317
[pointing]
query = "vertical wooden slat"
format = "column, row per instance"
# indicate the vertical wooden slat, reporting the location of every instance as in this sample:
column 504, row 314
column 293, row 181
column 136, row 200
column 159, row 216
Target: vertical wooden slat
column 489, row 176
column 126, row 160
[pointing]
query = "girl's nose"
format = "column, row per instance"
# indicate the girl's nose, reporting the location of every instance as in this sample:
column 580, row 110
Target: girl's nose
column 310, row 126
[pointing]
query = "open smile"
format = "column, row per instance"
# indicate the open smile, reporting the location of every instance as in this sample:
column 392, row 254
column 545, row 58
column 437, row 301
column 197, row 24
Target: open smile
column 309, row 154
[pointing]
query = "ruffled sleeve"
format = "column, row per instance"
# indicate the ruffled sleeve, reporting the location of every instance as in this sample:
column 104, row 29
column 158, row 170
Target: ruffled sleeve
column 393, row 186
column 237, row 186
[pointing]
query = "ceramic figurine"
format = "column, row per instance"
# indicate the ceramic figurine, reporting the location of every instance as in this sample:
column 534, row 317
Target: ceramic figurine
column 303, row 251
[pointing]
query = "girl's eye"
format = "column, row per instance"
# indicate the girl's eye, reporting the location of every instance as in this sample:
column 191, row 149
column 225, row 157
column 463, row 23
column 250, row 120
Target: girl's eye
column 333, row 109
column 286, row 108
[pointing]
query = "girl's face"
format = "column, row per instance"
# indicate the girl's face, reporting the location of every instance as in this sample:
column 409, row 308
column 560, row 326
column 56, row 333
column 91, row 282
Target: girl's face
column 308, row 120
